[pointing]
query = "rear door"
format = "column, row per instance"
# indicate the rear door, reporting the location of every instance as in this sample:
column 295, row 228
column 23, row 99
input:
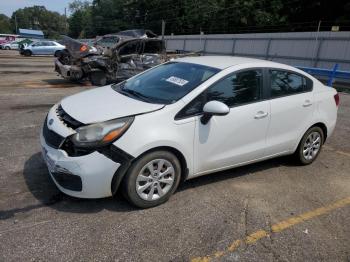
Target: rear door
column 50, row 48
column 292, row 108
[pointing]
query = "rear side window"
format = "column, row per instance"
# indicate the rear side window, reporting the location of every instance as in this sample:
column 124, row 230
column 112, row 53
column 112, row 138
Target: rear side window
column 284, row 83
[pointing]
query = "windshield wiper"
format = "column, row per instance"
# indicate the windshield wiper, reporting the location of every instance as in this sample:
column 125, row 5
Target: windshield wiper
column 136, row 94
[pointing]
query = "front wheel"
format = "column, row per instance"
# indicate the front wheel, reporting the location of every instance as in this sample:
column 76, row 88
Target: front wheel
column 152, row 179
column 98, row 78
column 27, row 53
column 310, row 146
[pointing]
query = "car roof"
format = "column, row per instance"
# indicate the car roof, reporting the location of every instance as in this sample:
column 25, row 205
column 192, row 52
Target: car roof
column 222, row 62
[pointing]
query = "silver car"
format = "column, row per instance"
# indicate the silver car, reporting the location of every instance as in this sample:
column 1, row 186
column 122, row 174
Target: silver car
column 43, row 48
column 10, row 45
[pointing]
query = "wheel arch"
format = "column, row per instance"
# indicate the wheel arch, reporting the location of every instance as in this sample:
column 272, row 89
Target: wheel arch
column 120, row 173
column 318, row 124
column 323, row 127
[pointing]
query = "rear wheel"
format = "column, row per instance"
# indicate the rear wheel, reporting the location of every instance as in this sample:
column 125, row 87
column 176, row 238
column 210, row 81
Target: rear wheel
column 7, row 48
column 310, row 146
column 57, row 53
column 152, row 179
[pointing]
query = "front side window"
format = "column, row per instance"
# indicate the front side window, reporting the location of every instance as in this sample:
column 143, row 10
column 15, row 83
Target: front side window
column 240, row 88
column 167, row 83
column 153, row 47
column 130, row 48
column 237, row 89
column 284, row 83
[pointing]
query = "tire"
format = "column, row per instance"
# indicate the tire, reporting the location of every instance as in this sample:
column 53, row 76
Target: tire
column 140, row 176
column 310, row 146
column 57, row 53
column 98, row 78
column 27, row 52
column 7, row 48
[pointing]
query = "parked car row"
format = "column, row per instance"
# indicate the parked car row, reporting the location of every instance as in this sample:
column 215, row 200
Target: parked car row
column 42, row 48
column 28, row 47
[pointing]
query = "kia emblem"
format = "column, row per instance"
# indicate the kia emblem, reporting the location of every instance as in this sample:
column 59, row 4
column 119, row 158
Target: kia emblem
column 50, row 122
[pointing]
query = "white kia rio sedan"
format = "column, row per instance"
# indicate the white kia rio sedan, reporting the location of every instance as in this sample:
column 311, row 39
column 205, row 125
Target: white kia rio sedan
column 183, row 119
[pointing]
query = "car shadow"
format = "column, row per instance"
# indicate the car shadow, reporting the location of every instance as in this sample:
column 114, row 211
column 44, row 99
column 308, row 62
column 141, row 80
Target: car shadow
column 63, row 83
column 41, row 186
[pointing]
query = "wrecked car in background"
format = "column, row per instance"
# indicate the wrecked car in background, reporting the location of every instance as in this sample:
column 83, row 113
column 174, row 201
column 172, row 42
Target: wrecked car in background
column 134, row 52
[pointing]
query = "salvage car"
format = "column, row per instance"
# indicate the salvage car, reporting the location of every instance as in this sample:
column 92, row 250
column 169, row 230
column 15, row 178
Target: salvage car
column 42, row 48
column 183, row 119
column 128, row 57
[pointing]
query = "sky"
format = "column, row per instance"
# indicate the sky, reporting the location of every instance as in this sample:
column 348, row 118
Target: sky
column 8, row 6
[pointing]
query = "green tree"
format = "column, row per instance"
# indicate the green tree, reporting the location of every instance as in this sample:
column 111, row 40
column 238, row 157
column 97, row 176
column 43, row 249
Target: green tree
column 37, row 17
column 210, row 16
column 80, row 24
column 5, row 25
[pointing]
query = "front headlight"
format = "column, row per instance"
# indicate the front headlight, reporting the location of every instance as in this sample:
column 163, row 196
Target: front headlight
column 101, row 134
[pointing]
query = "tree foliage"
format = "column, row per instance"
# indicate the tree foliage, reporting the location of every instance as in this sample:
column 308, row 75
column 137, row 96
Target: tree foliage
column 210, row 16
column 5, row 25
column 37, row 17
column 98, row 17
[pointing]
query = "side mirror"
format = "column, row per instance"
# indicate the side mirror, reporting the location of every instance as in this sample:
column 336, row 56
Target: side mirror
column 213, row 108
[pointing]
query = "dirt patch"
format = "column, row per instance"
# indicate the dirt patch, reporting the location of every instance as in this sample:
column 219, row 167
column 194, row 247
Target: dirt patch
column 37, row 106
column 21, row 72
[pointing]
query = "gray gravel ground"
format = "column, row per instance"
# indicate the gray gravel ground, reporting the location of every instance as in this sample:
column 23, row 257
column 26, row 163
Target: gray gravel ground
column 38, row 223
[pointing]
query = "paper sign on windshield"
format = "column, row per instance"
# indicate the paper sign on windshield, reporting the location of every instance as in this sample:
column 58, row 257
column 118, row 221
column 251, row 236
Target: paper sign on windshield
column 177, row 81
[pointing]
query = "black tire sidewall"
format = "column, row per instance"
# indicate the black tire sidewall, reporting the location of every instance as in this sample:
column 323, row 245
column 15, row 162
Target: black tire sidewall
column 98, row 78
column 300, row 155
column 57, row 53
column 129, row 181
column 27, row 53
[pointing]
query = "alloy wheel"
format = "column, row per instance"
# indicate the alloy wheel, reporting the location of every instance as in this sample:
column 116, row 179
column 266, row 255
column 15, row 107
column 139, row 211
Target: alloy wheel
column 155, row 179
column 312, row 145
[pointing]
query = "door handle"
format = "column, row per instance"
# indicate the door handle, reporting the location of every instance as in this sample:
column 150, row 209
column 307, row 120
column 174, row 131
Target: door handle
column 260, row 114
column 307, row 103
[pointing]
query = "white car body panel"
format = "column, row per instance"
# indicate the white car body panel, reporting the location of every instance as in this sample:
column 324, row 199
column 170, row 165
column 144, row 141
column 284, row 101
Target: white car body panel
column 289, row 117
column 86, row 106
column 157, row 129
column 232, row 139
column 96, row 178
column 236, row 139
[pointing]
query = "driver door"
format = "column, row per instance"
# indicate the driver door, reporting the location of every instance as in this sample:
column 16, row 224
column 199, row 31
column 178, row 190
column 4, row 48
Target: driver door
column 240, row 136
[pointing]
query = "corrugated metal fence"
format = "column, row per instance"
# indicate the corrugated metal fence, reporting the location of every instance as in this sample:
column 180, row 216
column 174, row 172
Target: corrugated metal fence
column 310, row 49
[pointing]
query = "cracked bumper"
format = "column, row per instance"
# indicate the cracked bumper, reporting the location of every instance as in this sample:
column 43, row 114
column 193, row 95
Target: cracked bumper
column 95, row 171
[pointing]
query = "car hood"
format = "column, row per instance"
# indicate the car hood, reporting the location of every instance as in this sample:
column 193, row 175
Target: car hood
column 102, row 104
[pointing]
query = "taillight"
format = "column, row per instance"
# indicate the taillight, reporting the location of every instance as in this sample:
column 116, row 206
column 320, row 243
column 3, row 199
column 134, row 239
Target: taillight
column 336, row 99
column 83, row 48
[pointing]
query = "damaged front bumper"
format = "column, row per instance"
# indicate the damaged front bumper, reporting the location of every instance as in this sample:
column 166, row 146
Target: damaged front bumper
column 86, row 176
column 69, row 72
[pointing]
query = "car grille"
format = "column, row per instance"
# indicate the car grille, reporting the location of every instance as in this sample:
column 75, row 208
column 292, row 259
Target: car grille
column 51, row 138
column 67, row 119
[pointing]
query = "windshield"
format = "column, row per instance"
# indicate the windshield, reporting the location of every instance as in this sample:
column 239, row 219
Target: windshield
column 166, row 83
